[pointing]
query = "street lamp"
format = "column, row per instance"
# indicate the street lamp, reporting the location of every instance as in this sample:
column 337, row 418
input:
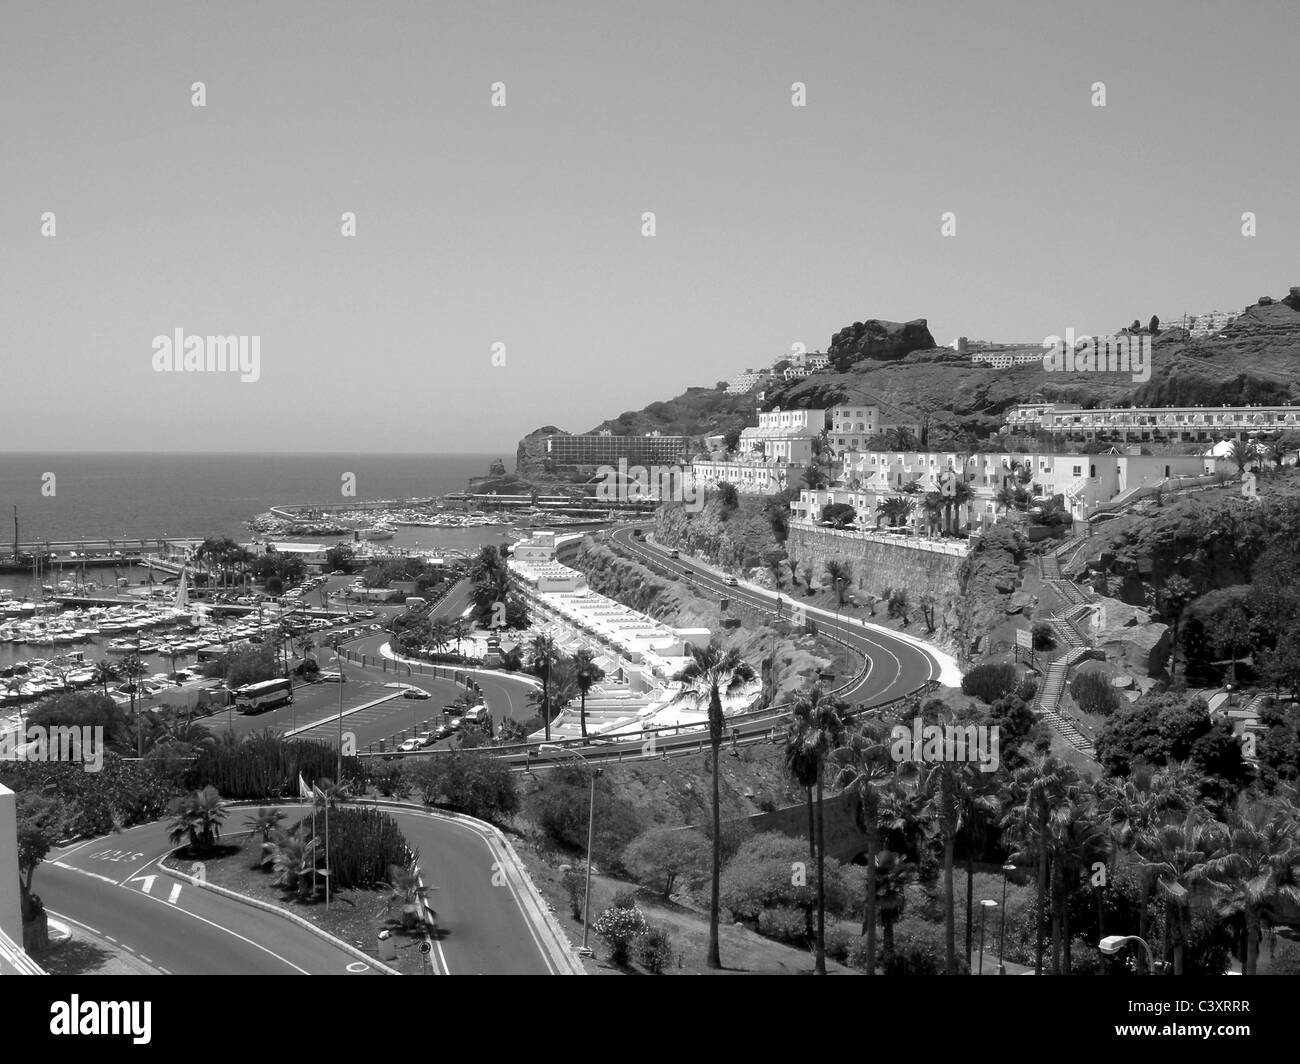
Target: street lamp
column 1002, row 931
column 985, row 906
column 1113, row 944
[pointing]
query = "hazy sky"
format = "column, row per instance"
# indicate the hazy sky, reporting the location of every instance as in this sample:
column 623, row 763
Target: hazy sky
column 522, row 225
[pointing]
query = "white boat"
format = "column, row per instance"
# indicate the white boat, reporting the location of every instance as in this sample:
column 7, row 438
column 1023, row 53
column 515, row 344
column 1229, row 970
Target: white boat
column 123, row 646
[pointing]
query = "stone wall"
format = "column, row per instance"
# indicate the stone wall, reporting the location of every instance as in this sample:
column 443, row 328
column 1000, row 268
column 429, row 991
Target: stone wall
column 877, row 564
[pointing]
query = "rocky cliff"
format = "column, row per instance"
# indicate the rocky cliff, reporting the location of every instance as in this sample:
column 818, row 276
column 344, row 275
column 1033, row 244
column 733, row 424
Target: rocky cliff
column 881, row 341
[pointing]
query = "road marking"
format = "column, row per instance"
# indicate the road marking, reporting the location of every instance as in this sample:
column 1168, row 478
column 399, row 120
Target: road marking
column 146, row 880
column 83, row 872
column 357, row 967
column 71, row 920
column 176, row 893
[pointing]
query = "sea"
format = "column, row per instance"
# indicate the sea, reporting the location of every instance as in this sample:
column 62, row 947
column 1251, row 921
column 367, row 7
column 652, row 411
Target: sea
column 130, row 495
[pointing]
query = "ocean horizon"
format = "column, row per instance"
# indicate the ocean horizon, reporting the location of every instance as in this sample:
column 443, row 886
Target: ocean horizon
column 65, row 495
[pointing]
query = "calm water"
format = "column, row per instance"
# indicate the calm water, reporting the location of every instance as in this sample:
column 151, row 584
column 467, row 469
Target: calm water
column 181, row 495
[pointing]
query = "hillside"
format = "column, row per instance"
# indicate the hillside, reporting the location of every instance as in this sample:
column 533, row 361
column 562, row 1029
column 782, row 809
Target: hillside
column 1255, row 359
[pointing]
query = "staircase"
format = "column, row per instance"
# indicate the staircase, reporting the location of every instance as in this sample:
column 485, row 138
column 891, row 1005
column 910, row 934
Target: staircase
column 1065, row 625
column 1049, row 697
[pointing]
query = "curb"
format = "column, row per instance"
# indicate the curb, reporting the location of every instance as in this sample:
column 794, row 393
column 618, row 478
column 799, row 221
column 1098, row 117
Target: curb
column 265, row 906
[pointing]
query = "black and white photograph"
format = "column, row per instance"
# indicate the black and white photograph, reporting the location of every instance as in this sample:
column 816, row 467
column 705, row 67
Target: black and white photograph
column 668, row 488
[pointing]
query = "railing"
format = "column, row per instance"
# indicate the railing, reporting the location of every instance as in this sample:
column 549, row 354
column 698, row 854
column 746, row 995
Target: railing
column 957, row 549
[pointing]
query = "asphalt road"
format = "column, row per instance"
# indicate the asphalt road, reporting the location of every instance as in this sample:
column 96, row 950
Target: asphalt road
column 115, row 887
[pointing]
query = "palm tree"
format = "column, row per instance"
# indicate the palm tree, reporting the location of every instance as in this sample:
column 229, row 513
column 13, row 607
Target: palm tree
column 586, row 674
column 305, row 644
column 1241, row 455
column 1137, row 805
column 198, row 818
column 1175, row 856
column 865, row 771
column 1033, row 791
column 1075, row 840
column 542, row 657
column 932, row 506
column 104, row 671
column 940, row 784
column 1260, row 869
column 440, row 633
column 1231, row 632
column 404, row 882
column 132, row 669
column 1176, row 593
column 711, row 675
column 265, row 822
column 814, row 477
column 816, row 728
column 459, row 631
column 841, row 576
column 891, row 875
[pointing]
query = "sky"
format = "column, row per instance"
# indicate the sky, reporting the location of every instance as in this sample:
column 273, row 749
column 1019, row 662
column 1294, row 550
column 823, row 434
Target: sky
column 522, row 225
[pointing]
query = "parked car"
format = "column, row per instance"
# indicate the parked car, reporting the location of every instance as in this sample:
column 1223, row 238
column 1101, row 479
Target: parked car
column 442, row 731
column 425, row 739
column 415, row 692
column 409, row 746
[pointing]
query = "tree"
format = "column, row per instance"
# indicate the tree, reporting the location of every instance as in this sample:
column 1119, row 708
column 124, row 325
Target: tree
column 816, row 728
column 542, row 658
column 1034, row 790
column 586, row 674
column 39, row 828
column 728, row 497
column 1241, row 455
column 892, row 873
column 1176, row 593
column 264, row 822
column 941, row 786
column 840, row 574
column 1175, row 856
column 1259, row 870
column 196, row 817
column 865, row 772
column 132, row 670
column 660, row 857
column 105, row 671
column 1153, row 326
column 814, row 477
column 1230, row 632
column 927, row 604
column 839, row 514
column 712, row 675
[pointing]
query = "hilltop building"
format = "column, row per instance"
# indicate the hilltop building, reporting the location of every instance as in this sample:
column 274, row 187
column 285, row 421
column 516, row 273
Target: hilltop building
column 580, row 452
column 1182, row 424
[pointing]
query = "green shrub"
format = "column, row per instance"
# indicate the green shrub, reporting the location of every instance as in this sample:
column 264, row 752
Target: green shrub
column 1027, row 691
column 654, row 949
column 990, row 682
column 840, row 942
column 1044, row 636
column 919, row 949
column 363, row 843
column 265, row 766
column 575, row 884
column 660, row 857
column 561, row 806
column 772, row 871
column 1093, row 693
column 784, row 924
column 620, row 928
column 469, row 782
column 624, row 899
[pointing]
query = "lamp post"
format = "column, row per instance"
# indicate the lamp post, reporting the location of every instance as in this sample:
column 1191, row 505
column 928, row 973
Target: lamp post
column 584, row 950
column 985, row 906
column 1002, row 931
column 1112, row 944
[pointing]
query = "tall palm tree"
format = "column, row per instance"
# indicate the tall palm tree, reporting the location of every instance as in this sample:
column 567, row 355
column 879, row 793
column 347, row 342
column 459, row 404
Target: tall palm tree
column 1260, row 869
column 132, row 669
column 1033, row 790
column 711, row 675
column 1241, row 455
column 892, row 873
column 865, row 772
column 1231, row 632
column 542, row 657
column 1176, row 593
column 264, row 822
column 586, row 674
column 932, row 506
column 1076, row 839
column 1175, row 856
column 941, row 784
column 816, row 728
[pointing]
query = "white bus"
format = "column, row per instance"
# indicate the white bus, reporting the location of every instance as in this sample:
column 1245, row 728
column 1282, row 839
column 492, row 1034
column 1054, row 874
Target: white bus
column 256, row 697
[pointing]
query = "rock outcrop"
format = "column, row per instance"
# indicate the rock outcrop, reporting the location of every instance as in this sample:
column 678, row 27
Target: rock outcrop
column 881, row 341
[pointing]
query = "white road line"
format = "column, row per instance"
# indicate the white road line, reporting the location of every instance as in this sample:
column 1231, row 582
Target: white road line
column 72, row 920
column 83, row 872
column 176, row 893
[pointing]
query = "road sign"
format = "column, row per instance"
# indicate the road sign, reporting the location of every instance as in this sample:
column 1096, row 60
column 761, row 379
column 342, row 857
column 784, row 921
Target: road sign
column 1025, row 639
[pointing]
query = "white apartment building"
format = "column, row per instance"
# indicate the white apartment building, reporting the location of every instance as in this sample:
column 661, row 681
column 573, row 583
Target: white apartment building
column 852, row 425
column 784, row 436
column 1183, row 424
column 752, row 475
column 1082, row 481
column 748, row 381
